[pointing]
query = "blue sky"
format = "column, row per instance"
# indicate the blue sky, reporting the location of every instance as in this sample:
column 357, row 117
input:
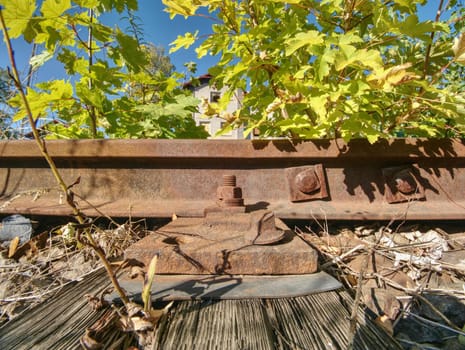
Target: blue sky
column 158, row 29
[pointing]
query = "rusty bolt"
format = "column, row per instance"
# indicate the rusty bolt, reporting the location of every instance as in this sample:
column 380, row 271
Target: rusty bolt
column 307, row 181
column 229, row 195
column 229, row 180
column 405, row 182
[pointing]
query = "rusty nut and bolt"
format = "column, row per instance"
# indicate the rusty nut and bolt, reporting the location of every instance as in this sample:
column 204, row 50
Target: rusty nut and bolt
column 229, row 195
column 405, row 182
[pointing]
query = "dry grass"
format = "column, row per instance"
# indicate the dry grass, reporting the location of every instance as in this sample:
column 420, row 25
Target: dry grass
column 393, row 270
column 41, row 267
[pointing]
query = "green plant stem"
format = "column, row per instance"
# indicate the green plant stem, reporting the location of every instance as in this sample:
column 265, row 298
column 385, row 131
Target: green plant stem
column 92, row 113
column 43, row 150
column 106, row 264
column 30, row 72
column 39, row 141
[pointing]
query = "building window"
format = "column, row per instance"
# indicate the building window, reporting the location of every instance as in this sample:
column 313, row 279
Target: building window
column 215, row 96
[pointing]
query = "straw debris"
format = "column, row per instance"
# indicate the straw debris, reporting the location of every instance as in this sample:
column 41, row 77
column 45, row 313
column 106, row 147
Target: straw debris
column 38, row 269
column 409, row 275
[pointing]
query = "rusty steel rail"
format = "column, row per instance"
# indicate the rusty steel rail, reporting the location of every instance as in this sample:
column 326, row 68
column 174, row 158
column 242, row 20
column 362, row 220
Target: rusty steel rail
column 415, row 179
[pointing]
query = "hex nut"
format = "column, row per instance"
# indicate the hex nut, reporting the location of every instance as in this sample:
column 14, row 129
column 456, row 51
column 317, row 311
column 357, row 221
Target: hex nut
column 224, row 192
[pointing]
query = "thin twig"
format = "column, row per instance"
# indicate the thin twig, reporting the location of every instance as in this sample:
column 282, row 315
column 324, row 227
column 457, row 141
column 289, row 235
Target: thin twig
column 340, row 258
column 357, row 299
column 96, row 209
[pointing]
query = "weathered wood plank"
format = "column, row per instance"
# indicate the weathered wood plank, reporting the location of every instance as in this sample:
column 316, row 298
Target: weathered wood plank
column 226, row 324
column 321, row 321
column 58, row 322
column 318, row 321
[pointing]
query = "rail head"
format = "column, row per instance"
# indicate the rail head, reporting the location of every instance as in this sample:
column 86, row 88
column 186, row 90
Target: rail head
column 238, row 149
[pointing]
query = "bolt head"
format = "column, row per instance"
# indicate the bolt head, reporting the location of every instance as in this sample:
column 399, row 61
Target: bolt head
column 307, row 181
column 405, row 182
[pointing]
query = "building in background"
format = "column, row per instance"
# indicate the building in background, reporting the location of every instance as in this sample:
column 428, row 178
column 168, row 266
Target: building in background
column 203, row 91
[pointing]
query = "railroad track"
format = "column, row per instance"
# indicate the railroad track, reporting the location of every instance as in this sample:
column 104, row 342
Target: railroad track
column 216, row 187
column 413, row 179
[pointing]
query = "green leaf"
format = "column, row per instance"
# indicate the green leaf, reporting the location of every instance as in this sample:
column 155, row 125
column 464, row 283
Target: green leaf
column 183, row 106
column 296, row 2
column 311, row 37
column 54, row 8
column 416, row 29
column 17, row 14
column 54, row 93
column 349, row 38
column 91, row 97
column 407, row 5
column 295, row 123
column 101, row 32
column 130, row 51
column 318, row 105
column 72, row 63
column 372, row 136
column 58, row 89
column 147, row 289
column 300, row 74
column 32, row 29
column 325, row 61
column 87, row 3
column 227, row 128
column 347, row 57
column 184, row 8
column 370, row 59
column 184, row 41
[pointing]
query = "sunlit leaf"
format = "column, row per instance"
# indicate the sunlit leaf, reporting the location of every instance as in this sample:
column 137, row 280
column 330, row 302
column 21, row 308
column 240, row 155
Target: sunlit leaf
column 88, row 3
column 53, row 93
column 17, row 14
column 54, row 8
column 312, row 37
column 183, row 41
column 185, row 8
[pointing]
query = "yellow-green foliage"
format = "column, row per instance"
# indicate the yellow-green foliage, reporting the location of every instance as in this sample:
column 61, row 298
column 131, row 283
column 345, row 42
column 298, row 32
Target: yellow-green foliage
column 336, row 68
column 105, row 69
